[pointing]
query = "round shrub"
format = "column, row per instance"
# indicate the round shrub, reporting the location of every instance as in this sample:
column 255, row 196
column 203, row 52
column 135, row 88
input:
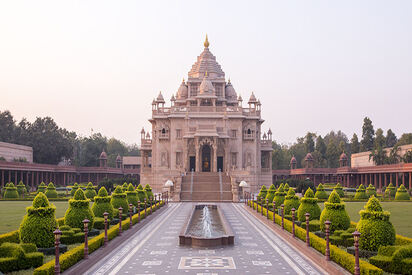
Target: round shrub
column 308, row 204
column 321, row 193
column 131, row 194
column 361, row 193
column 339, row 190
column 11, row 192
column 39, row 223
column 402, row 194
column 141, row 194
column 370, row 191
column 291, row 201
column 51, row 192
column 374, row 225
column 280, row 195
column 119, row 199
column 41, row 188
column 21, row 188
column 74, row 189
column 263, row 192
column 79, row 209
column 90, row 192
column 270, row 194
column 390, row 191
column 102, row 204
column 334, row 212
column 149, row 192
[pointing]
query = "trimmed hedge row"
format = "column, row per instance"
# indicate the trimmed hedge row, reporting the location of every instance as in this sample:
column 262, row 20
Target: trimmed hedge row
column 15, row 257
column 10, row 237
column 76, row 254
column 337, row 255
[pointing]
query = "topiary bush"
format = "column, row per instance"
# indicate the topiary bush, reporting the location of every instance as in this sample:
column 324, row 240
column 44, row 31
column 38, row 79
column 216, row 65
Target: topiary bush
column 119, row 199
column 149, row 192
column 361, row 193
column 390, row 191
column 402, row 194
column 14, row 257
column 375, row 227
column 51, row 192
column 308, row 204
column 335, row 212
column 41, row 188
column 262, row 193
column 90, row 193
column 131, row 194
column 339, row 190
column 124, row 187
column 291, row 201
column 370, row 191
column 270, row 194
column 11, row 192
column 286, row 188
column 39, row 223
column 321, row 193
column 280, row 195
column 74, row 189
column 141, row 194
column 79, row 209
column 102, row 204
column 21, row 188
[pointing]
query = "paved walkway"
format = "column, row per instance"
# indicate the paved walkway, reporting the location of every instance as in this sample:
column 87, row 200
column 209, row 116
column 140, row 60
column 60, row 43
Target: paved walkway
column 155, row 250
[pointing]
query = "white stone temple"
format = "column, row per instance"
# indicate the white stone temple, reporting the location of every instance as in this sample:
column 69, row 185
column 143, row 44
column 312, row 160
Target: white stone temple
column 206, row 141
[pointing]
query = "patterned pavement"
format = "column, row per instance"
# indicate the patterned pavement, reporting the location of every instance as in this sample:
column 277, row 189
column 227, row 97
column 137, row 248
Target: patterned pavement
column 155, row 249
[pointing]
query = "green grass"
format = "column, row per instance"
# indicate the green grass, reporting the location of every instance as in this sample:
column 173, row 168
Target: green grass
column 401, row 214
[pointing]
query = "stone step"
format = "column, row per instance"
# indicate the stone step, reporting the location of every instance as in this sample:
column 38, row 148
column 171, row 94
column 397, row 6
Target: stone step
column 206, row 196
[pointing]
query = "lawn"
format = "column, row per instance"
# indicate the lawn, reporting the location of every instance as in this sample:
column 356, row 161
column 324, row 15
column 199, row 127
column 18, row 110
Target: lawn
column 401, row 214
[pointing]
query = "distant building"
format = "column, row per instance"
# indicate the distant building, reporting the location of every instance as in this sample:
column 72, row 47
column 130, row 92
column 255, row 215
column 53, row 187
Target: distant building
column 362, row 159
column 132, row 162
column 16, row 152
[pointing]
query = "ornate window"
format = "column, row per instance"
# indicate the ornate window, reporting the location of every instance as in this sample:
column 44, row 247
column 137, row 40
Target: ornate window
column 234, row 159
column 248, row 133
column 218, row 89
column 233, row 133
column 194, row 89
column 178, row 133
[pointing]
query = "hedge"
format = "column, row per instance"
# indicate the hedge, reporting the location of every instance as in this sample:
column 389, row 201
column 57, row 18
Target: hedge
column 79, row 209
column 402, row 194
column 371, row 191
column 280, row 195
column 10, row 237
column 119, row 199
column 321, row 193
column 74, row 189
column 339, row 189
column 291, row 201
column 308, row 204
column 263, row 192
column 11, row 192
column 90, row 193
column 131, row 195
column 334, row 212
column 361, row 193
column 42, row 187
column 394, row 259
column 270, row 194
column 141, row 194
column 102, row 204
column 51, row 191
column 149, row 192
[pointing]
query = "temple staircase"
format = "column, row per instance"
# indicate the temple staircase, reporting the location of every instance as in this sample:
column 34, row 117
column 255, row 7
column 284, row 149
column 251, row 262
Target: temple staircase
column 206, row 186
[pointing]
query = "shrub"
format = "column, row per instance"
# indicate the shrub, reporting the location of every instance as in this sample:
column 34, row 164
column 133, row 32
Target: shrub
column 370, row 190
column 21, row 188
column 119, row 199
column 79, row 209
column 11, row 192
column 124, row 187
column 402, row 194
column 51, row 192
column 15, row 257
column 394, row 259
column 390, row 191
column 74, row 189
column 270, row 194
column 286, row 187
column 291, row 201
column 375, row 227
column 10, row 237
column 263, row 192
column 149, row 192
column 339, row 189
column 141, row 194
column 280, row 195
column 41, row 188
column 361, row 193
column 131, row 194
column 308, row 204
column 335, row 212
column 39, row 223
column 321, row 193
column 102, row 204
column 99, row 223
column 90, row 192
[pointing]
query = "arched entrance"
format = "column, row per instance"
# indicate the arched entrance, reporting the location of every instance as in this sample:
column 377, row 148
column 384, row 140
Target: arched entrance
column 206, row 158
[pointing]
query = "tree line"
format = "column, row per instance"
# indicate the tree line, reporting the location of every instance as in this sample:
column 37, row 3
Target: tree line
column 52, row 144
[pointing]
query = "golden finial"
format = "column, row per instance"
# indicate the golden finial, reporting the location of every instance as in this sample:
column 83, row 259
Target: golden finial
column 206, row 74
column 206, row 42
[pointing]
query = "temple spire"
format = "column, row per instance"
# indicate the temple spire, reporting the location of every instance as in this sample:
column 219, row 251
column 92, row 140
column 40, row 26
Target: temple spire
column 206, row 42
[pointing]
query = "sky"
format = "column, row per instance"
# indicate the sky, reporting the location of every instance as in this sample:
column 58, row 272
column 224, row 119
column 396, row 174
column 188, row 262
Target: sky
column 315, row 65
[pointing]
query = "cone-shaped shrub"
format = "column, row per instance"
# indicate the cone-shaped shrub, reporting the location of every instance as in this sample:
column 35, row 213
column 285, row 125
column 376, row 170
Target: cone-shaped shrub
column 131, row 195
column 321, row 193
column 291, row 201
column 41, row 188
column 270, row 194
column 286, row 188
column 51, row 192
column 334, row 212
column 375, row 227
column 263, row 192
column 21, row 188
column 402, row 194
column 309, row 204
column 102, row 204
column 361, row 193
column 90, row 192
column 141, row 194
column 11, row 192
column 39, row 223
column 124, row 186
column 370, row 191
column 149, row 192
column 339, row 189
column 74, row 189
column 390, row 191
column 119, row 199
column 79, row 209
column 280, row 195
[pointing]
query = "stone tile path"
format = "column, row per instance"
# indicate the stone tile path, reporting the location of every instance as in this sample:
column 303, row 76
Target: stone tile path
column 155, row 250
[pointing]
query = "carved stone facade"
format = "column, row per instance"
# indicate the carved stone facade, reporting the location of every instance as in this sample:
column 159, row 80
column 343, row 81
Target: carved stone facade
column 206, row 129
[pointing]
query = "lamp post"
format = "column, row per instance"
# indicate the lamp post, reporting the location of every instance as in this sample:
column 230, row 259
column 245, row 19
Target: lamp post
column 267, row 208
column 57, row 233
column 307, row 229
column 86, row 243
column 293, row 222
column 138, row 211
column 120, row 222
column 130, row 214
column 327, row 251
column 105, row 215
column 283, row 216
column 356, row 236
column 274, row 211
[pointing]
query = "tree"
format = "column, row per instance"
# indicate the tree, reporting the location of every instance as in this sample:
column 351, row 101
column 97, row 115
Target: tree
column 341, row 147
column 332, row 154
column 407, row 158
column 394, row 156
column 354, row 144
column 309, row 143
column 391, row 138
column 320, row 145
column 115, row 147
column 378, row 155
column 380, row 140
column 368, row 134
column 7, row 126
column 405, row 139
column 91, row 148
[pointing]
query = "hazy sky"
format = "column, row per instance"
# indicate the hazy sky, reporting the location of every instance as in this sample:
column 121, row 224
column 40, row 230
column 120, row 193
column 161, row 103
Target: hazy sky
column 315, row 65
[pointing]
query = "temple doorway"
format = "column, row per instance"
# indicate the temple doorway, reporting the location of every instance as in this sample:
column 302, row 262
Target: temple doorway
column 192, row 163
column 220, row 164
column 206, row 157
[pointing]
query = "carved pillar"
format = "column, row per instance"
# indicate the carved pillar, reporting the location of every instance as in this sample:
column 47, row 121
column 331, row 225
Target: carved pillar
column 214, row 147
column 185, row 157
column 197, row 148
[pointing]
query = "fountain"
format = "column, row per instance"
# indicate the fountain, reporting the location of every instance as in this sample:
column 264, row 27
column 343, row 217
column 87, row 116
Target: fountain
column 206, row 227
